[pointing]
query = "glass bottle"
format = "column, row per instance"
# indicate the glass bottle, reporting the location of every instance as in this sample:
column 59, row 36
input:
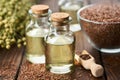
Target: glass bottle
column 59, row 45
column 71, row 7
column 35, row 33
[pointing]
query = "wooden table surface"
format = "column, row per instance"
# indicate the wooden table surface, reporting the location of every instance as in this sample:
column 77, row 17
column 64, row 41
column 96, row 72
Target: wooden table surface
column 14, row 66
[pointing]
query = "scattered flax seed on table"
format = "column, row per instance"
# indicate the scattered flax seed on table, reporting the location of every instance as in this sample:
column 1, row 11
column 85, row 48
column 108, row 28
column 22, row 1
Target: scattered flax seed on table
column 38, row 72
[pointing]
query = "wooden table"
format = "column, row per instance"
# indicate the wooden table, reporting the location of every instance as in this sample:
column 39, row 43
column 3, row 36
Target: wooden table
column 14, row 66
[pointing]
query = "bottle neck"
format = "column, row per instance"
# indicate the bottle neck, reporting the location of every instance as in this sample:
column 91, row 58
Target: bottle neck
column 60, row 27
column 35, row 19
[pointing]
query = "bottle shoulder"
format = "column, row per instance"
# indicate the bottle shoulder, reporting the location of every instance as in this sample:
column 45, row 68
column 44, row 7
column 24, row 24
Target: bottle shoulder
column 57, row 39
column 35, row 32
column 34, row 27
column 31, row 26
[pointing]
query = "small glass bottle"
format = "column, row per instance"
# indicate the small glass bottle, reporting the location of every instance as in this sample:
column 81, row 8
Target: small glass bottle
column 59, row 45
column 71, row 7
column 35, row 33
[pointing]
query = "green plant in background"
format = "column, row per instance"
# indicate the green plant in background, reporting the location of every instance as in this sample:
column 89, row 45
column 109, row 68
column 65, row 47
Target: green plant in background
column 13, row 19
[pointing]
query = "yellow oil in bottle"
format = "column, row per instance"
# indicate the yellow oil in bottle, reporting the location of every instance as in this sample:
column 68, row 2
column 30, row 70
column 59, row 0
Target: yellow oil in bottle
column 60, row 54
column 35, row 47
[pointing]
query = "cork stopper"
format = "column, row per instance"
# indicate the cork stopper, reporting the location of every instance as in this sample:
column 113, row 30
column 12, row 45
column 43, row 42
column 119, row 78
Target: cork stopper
column 40, row 9
column 59, row 17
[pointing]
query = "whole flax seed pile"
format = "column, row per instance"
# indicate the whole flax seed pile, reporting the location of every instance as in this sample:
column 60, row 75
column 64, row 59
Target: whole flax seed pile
column 103, row 27
column 102, row 13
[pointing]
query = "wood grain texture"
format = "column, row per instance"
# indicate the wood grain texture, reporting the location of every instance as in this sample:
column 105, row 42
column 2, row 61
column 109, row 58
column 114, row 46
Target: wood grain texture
column 111, row 64
column 9, row 62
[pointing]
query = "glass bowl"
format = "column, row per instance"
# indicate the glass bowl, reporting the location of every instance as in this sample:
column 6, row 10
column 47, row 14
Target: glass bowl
column 104, row 36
